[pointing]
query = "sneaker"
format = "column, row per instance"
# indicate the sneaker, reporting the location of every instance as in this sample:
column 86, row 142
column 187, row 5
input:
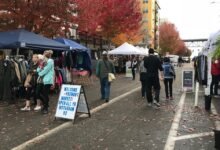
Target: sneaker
column 149, row 104
column 45, row 111
column 171, row 98
column 156, row 104
column 106, row 100
column 37, row 108
column 167, row 98
column 26, row 109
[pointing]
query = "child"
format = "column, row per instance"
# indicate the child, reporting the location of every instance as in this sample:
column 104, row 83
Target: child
column 169, row 75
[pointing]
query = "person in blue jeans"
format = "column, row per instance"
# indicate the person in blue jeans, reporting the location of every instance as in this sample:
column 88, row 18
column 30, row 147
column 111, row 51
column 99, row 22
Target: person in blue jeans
column 169, row 76
column 103, row 68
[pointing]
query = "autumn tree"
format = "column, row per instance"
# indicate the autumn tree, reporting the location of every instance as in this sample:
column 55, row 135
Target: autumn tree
column 108, row 18
column 170, row 40
column 49, row 17
column 132, row 37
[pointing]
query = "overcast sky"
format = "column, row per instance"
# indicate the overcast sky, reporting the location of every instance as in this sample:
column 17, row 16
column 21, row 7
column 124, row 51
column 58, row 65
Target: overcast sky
column 193, row 18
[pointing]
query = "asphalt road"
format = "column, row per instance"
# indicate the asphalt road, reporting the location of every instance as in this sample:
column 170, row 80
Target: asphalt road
column 126, row 124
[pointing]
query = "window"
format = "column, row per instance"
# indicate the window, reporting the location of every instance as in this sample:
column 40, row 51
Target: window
column 145, row 11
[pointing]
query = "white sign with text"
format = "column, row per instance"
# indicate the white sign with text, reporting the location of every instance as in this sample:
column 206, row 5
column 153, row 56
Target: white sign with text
column 68, row 101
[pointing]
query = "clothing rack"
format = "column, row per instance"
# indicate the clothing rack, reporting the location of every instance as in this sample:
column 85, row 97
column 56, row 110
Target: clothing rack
column 17, row 56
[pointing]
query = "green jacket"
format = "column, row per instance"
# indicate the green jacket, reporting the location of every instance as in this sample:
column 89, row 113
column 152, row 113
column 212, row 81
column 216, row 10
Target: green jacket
column 103, row 68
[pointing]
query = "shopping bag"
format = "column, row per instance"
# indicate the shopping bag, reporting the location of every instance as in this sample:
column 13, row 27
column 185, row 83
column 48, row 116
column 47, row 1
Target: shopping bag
column 111, row 77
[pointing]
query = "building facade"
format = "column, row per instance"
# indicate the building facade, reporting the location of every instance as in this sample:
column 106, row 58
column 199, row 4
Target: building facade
column 151, row 17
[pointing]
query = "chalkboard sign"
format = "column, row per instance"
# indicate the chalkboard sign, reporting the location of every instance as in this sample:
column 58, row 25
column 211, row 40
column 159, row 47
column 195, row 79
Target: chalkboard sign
column 188, row 80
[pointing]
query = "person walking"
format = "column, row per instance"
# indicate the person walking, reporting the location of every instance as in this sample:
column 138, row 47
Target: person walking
column 103, row 68
column 215, row 71
column 47, row 74
column 169, row 76
column 153, row 64
column 133, row 67
column 143, row 78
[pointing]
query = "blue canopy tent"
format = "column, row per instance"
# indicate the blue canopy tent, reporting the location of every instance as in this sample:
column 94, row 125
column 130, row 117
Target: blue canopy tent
column 79, row 52
column 21, row 38
column 73, row 45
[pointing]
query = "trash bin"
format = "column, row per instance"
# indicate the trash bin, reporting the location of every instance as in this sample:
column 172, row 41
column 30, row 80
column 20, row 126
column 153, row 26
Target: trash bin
column 208, row 102
column 217, row 139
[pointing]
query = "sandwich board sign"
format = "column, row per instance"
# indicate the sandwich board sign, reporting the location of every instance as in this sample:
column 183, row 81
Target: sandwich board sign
column 188, row 80
column 72, row 99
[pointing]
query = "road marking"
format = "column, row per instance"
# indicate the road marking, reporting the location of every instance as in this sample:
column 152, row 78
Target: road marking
column 170, row 144
column 191, row 136
column 53, row 131
column 214, row 112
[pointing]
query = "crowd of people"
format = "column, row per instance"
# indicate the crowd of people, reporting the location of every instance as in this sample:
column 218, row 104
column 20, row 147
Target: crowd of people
column 41, row 77
column 148, row 67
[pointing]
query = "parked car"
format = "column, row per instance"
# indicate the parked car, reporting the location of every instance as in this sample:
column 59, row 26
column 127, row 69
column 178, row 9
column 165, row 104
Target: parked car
column 186, row 59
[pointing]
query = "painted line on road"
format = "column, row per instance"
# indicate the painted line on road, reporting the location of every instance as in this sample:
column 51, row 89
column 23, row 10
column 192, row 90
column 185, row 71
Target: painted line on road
column 170, row 144
column 53, row 131
column 191, row 136
column 214, row 112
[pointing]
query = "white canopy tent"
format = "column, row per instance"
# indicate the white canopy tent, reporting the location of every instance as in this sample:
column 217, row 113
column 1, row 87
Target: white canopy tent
column 126, row 49
column 143, row 50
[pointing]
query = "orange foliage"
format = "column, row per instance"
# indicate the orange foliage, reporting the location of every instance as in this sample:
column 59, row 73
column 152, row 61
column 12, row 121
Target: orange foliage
column 130, row 37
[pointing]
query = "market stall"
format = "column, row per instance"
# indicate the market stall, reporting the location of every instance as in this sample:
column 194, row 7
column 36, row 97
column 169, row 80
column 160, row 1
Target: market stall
column 13, row 68
column 128, row 49
column 77, row 61
column 21, row 38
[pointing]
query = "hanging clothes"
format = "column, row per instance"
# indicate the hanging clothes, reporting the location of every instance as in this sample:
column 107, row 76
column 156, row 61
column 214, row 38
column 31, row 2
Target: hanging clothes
column 201, row 69
column 9, row 81
column 68, row 60
column 1, row 78
column 83, row 62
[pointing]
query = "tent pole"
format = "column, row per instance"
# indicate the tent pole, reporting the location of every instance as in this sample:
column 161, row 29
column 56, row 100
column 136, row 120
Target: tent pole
column 17, row 52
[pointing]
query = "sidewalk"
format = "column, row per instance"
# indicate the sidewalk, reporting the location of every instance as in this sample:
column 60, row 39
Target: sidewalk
column 131, row 124
column 127, row 124
column 17, row 127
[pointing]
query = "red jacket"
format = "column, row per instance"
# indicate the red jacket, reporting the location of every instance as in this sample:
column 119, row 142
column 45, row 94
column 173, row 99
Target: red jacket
column 215, row 68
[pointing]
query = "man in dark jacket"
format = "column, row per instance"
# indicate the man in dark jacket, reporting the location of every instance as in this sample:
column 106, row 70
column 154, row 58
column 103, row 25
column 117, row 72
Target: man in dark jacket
column 153, row 64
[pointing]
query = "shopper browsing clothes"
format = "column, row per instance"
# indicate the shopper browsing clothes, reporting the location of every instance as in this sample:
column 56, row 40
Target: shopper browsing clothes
column 46, row 73
column 103, row 68
column 31, row 83
column 153, row 64
column 169, row 76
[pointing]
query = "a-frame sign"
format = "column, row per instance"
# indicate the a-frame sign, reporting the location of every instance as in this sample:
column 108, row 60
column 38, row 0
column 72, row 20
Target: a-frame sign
column 72, row 100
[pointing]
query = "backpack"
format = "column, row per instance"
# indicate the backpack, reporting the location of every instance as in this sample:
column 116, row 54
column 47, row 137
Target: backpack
column 168, row 70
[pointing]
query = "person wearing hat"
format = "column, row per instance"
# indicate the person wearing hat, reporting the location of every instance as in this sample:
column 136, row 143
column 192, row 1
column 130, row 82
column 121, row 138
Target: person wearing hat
column 103, row 68
column 153, row 64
